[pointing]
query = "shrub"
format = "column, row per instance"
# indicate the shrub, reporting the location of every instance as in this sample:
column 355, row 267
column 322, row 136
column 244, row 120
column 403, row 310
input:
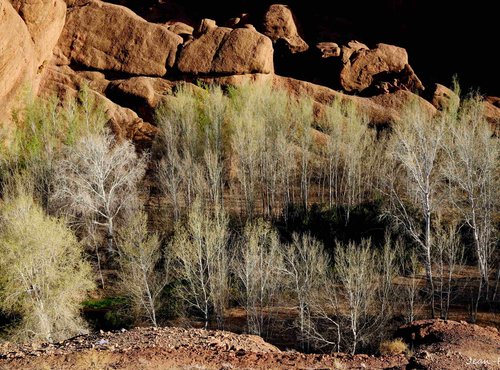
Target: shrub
column 393, row 347
column 43, row 276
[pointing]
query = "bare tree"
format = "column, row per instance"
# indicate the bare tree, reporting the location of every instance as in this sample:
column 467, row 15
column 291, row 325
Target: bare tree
column 325, row 329
column 97, row 180
column 258, row 266
column 178, row 146
column 43, row 274
column 215, row 110
column 414, row 184
column 410, row 267
column 301, row 114
column 306, row 265
column 471, row 169
column 358, row 271
column 449, row 257
column 141, row 277
column 169, row 168
column 276, row 166
column 262, row 138
column 349, row 155
column 388, row 271
column 247, row 145
column 200, row 251
column 43, row 127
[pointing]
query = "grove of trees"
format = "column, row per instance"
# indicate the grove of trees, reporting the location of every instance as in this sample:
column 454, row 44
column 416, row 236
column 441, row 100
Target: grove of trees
column 312, row 222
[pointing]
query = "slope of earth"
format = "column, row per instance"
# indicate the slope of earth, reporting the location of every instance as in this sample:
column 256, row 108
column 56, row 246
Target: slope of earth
column 436, row 344
column 441, row 344
column 167, row 348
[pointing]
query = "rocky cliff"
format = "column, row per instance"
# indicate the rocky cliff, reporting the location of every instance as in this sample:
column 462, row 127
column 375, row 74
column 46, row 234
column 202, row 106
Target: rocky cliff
column 132, row 55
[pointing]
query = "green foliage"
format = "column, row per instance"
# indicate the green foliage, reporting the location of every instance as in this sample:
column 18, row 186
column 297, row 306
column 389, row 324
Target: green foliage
column 44, row 127
column 103, row 303
column 43, row 276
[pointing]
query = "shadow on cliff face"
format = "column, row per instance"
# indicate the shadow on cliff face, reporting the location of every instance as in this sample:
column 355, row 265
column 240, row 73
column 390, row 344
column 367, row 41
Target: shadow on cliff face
column 442, row 40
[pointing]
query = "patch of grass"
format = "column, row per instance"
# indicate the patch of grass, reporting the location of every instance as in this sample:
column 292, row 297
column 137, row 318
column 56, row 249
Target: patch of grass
column 393, row 347
column 104, row 303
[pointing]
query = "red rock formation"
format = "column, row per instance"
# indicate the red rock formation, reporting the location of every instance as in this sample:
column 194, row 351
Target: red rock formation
column 221, row 50
column 279, row 24
column 110, row 37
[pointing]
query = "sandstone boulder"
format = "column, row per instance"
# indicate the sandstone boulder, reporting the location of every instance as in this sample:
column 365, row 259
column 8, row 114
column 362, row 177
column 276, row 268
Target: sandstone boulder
column 238, row 21
column 362, row 66
column 111, row 37
column 328, row 49
column 205, row 26
column 495, row 100
column 279, row 24
column 17, row 59
column 442, row 97
column 377, row 114
column 45, row 21
column 352, row 47
column 492, row 113
column 222, row 50
column 141, row 94
column 180, row 28
column 400, row 99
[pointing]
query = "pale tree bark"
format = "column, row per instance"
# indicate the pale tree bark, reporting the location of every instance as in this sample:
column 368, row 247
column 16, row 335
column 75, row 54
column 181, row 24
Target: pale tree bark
column 258, row 266
column 141, row 276
column 472, row 169
column 97, row 181
column 305, row 267
column 366, row 281
column 414, row 185
column 201, row 259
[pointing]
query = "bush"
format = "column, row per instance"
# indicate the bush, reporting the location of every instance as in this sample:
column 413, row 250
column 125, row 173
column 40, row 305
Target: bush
column 43, row 128
column 393, row 347
column 43, row 276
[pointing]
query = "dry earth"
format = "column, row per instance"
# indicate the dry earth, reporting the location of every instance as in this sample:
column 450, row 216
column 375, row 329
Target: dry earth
column 436, row 344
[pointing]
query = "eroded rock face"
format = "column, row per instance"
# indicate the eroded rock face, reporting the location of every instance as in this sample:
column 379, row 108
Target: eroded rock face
column 400, row 99
column 111, row 37
column 65, row 84
column 492, row 113
column 362, row 66
column 443, row 98
column 221, row 50
column 45, row 20
column 328, row 49
column 141, row 94
column 18, row 64
column 381, row 111
column 279, row 24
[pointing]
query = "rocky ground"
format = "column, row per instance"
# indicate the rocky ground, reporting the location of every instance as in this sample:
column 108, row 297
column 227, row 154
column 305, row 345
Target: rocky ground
column 436, row 344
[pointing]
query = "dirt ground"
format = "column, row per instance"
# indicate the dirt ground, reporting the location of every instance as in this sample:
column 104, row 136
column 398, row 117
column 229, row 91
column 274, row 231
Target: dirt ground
column 435, row 344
